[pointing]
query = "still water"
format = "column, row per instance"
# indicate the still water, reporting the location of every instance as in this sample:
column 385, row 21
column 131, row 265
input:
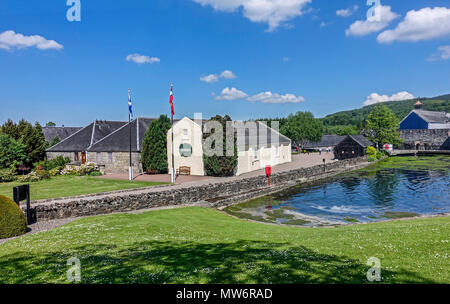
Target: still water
column 396, row 188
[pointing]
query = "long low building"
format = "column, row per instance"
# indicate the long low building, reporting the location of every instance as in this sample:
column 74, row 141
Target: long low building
column 258, row 146
column 107, row 144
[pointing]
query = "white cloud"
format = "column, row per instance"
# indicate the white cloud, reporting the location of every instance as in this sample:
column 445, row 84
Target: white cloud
column 231, row 94
column 269, row 97
column 12, row 40
column 347, row 12
column 286, row 59
column 325, row 24
column 375, row 98
column 227, row 74
column 444, row 54
column 424, row 24
column 210, row 78
column 141, row 59
column 272, row 12
column 383, row 16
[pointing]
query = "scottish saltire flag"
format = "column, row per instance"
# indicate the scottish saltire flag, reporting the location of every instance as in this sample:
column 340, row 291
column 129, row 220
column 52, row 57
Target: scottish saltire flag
column 171, row 100
column 130, row 108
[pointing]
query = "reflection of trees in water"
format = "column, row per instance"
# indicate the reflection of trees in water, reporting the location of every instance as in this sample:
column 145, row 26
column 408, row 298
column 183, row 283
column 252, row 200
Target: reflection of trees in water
column 383, row 186
column 350, row 183
column 416, row 179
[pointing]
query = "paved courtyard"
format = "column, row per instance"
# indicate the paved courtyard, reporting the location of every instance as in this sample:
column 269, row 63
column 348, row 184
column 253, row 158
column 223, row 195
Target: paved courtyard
column 298, row 162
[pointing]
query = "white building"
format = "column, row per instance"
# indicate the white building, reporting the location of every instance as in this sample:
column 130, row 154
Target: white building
column 258, row 146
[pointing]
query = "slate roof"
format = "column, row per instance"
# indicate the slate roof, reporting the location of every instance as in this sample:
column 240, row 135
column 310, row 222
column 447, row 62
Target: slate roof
column 326, row 141
column 262, row 136
column 119, row 140
column 81, row 140
column 62, row 133
column 433, row 116
column 361, row 140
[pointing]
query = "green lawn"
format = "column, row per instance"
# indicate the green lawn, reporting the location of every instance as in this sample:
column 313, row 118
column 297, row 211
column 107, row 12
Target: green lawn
column 63, row 186
column 196, row 245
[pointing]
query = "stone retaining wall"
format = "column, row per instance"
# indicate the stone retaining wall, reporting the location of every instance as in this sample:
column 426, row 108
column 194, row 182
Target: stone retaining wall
column 166, row 196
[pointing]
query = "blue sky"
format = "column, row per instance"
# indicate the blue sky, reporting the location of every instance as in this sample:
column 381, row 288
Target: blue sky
column 280, row 57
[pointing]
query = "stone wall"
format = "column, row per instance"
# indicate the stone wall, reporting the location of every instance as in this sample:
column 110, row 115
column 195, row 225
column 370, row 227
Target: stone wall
column 168, row 196
column 116, row 162
column 435, row 139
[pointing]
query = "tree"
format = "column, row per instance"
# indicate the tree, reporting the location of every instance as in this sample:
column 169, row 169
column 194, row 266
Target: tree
column 12, row 152
column 10, row 128
column 382, row 126
column 34, row 141
column 221, row 165
column 154, row 146
column 50, row 124
column 302, row 126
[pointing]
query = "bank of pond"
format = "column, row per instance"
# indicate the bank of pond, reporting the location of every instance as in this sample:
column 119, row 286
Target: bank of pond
column 397, row 187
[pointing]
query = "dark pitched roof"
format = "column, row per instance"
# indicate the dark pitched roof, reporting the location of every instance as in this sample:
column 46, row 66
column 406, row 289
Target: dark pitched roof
column 87, row 136
column 119, row 140
column 432, row 116
column 62, row 133
column 326, row 141
column 262, row 136
column 361, row 140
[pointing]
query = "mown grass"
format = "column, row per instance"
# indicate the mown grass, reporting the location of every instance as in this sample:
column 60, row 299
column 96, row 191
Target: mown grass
column 64, row 186
column 196, row 245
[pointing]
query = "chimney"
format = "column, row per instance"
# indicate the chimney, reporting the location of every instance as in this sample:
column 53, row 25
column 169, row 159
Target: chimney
column 418, row 105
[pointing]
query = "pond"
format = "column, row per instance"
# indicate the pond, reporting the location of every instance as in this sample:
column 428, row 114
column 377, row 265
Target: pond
column 397, row 187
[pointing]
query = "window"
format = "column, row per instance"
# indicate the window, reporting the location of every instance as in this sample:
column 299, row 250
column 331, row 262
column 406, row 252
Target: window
column 110, row 157
column 277, row 152
column 99, row 157
column 255, row 153
column 185, row 132
column 76, row 157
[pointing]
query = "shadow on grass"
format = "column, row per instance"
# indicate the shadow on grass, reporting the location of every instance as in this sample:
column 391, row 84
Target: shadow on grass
column 175, row 262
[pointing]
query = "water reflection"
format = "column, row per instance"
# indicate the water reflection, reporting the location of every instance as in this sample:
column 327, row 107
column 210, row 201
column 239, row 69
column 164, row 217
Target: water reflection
column 360, row 197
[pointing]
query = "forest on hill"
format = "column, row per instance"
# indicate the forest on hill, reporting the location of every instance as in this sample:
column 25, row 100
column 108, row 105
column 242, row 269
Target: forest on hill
column 352, row 121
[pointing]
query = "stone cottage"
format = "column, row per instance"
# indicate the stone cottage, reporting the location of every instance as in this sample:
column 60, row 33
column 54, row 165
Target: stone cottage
column 425, row 130
column 106, row 143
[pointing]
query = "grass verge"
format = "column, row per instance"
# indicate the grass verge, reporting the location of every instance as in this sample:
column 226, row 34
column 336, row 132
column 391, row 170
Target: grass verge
column 196, row 245
column 64, row 186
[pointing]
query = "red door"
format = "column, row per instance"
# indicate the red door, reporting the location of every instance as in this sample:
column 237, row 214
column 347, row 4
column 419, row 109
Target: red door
column 83, row 158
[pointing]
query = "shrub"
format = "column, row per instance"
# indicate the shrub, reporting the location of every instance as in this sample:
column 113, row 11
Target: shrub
column 95, row 173
column 7, row 175
column 29, row 178
column 43, row 174
column 59, row 161
column 82, row 170
column 12, row 219
column 371, row 159
column 371, row 151
column 55, row 171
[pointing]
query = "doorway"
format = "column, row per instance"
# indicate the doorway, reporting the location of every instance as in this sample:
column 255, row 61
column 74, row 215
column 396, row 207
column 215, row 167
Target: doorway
column 83, row 158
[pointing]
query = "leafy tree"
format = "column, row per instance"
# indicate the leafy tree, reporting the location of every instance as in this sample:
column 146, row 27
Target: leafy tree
column 10, row 128
column 382, row 126
column 50, row 124
column 154, row 146
column 34, row 140
column 221, row 165
column 303, row 126
column 12, row 152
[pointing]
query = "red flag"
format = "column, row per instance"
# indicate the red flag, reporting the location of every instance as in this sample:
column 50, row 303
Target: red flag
column 171, row 100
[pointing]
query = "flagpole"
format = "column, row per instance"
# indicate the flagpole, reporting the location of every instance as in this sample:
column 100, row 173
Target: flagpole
column 130, row 170
column 173, row 151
